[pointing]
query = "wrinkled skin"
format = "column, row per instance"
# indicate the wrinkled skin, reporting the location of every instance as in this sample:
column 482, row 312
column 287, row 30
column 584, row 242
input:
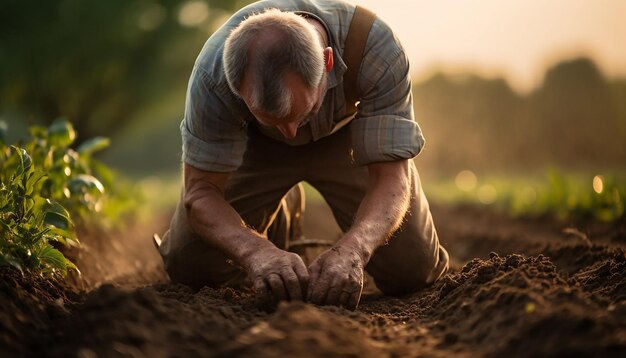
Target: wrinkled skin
column 336, row 278
column 277, row 275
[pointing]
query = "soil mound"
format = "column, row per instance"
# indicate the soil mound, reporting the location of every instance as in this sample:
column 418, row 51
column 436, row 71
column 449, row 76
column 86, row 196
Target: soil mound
column 554, row 297
column 526, row 307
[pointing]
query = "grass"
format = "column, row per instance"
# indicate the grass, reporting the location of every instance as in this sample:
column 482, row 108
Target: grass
column 597, row 196
column 160, row 194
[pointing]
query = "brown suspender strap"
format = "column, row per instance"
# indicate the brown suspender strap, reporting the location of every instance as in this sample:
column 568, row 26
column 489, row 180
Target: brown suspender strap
column 358, row 32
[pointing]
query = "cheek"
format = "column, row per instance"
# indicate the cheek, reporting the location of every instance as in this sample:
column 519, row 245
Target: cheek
column 306, row 120
column 321, row 101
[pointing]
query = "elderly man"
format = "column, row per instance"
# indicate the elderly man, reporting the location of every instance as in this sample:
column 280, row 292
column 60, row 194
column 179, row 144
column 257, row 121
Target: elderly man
column 265, row 111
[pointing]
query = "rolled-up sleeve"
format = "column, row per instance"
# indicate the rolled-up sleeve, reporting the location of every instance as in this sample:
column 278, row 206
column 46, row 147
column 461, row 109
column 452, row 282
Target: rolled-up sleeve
column 384, row 128
column 213, row 136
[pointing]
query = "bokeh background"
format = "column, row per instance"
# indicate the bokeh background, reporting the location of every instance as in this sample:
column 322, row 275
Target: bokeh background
column 509, row 94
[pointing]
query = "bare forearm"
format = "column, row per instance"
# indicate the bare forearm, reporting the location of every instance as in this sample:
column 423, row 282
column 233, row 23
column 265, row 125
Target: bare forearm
column 381, row 210
column 216, row 222
column 274, row 273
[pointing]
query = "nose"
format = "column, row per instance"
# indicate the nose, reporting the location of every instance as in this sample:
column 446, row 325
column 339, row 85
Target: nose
column 288, row 130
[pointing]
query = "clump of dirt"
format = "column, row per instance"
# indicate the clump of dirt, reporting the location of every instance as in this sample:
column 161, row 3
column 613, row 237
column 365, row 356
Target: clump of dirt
column 571, row 259
column 524, row 306
column 28, row 306
column 606, row 280
column 300, row 330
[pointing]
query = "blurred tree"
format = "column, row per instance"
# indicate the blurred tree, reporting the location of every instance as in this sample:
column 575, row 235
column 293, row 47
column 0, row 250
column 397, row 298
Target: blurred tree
column 576, row 119
column 574, row 114
column 97, row 62
column 467, row 121
column 618, row 99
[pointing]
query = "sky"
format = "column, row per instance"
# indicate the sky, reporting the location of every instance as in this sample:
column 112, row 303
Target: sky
column 516, row 39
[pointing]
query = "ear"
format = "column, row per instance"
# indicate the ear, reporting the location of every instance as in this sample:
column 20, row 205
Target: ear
column 328, row 59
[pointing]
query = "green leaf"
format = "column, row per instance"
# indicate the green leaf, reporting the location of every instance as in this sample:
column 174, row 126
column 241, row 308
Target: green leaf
column 52, row 257
column 84, row 183
column 58, row 220
column 25, row 162
column 61, row 133
column 8, row 260
column 47, row 188
column 29, row 204
column 65, row 237
column 33, row 180
column 57, row 216
column 3, row 132
column 70, row 266
column 93, row 145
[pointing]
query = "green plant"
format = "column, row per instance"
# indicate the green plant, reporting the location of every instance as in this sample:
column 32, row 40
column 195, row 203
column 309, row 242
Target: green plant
column 48, row 190
column 90, row 191
column 30, row 225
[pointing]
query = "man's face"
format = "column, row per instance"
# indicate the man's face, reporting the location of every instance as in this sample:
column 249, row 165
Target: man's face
column 305, row 102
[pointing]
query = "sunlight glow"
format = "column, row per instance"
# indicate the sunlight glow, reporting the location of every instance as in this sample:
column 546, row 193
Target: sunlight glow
column 598, row 184
column 466, row 180
column 516, row 39
column 193, row 13
column 487, row 194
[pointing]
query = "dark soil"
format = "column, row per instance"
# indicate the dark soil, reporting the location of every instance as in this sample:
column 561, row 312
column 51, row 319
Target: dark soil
column 519, row 287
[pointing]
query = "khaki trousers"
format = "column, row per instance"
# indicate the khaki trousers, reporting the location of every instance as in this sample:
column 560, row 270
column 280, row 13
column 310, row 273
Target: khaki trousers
column 265, row 193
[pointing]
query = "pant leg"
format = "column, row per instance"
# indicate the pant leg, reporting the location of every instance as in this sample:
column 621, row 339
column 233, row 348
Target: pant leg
column 413, row 257
column 191, row 261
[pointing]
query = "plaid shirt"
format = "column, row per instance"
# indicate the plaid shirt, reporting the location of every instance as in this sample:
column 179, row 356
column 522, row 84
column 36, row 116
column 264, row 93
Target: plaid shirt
column 215, row 124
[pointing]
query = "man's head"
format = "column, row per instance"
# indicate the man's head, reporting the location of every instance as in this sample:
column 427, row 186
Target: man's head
column 277, row 63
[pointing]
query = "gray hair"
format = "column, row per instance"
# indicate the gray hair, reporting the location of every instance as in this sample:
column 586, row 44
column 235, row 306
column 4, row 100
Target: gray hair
column 267, row 45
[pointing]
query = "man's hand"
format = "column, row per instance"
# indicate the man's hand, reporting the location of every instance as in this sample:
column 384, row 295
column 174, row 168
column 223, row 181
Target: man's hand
column 336, row 278
column 277, row 275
